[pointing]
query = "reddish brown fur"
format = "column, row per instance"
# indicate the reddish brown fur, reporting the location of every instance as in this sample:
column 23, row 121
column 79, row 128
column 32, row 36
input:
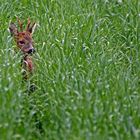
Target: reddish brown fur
column 25, row 43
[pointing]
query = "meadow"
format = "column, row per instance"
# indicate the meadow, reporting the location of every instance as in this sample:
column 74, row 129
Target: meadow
column 87, row 71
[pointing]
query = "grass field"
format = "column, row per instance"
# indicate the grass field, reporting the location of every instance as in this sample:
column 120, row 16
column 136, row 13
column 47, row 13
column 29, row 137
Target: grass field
column 87, row 71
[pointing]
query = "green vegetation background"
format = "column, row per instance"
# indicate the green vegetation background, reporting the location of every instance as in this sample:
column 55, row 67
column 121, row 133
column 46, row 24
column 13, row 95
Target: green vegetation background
column 87, row 71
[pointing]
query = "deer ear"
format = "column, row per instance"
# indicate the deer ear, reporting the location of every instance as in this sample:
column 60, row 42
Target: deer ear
column 13, row 29
column 31, row 28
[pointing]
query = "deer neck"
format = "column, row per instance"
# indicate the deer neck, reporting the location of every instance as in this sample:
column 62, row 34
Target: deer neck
column 28, row 64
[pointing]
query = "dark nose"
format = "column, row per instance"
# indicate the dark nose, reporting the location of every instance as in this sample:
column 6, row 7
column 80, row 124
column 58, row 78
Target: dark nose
column 32, row 50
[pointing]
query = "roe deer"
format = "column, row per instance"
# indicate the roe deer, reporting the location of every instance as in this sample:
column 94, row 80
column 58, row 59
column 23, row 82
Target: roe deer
column 25, row 43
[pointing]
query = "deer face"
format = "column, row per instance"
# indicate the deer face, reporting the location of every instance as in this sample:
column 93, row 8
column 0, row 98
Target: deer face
column 23, row 39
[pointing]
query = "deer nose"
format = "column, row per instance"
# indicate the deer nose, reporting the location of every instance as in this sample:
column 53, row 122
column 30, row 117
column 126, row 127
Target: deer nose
column 32, row 50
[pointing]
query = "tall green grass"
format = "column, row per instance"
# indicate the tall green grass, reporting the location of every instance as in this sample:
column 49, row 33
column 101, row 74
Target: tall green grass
column 87, row 71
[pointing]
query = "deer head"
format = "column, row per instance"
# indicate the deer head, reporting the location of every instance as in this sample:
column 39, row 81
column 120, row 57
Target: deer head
column 22, row 38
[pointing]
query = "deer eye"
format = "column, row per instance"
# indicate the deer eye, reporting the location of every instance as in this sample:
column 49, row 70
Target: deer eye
column 21, row 42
